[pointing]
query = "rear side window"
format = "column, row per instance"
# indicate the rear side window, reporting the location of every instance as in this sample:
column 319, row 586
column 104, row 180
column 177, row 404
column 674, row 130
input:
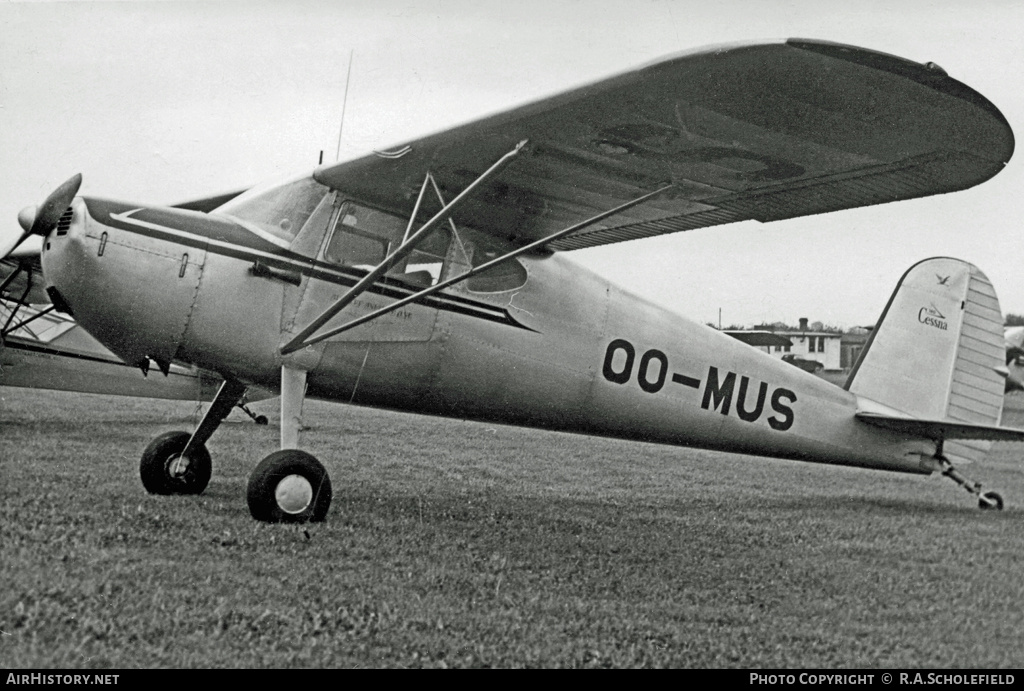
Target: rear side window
column 508, row 275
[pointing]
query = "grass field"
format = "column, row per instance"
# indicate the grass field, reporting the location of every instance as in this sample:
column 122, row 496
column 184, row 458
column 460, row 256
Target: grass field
column 452, row 543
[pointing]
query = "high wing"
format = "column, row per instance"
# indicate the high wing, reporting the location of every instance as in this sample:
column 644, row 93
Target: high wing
column 762, row 131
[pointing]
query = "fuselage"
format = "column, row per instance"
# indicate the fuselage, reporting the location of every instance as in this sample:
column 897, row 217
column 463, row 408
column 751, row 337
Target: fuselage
column 541, row 342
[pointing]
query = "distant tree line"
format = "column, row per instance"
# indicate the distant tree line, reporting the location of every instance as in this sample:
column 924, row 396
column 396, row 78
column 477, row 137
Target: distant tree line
column 1011, row 320
column 813, row 326
column 780, row 326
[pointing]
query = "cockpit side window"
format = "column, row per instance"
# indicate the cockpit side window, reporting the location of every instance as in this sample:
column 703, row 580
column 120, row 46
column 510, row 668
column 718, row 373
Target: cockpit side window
column 280, row 211
column 363, row 237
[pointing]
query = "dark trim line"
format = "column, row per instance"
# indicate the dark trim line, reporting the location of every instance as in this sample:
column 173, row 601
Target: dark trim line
column 222, row 237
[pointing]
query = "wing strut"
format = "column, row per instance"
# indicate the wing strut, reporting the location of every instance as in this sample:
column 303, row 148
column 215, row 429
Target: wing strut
column 10, row 279
column 483, row 267
column 18, row 303
column 299, row 341
column 20, row 325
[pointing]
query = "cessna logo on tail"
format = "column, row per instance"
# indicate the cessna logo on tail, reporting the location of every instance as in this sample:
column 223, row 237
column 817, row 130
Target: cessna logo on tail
column 932, row 317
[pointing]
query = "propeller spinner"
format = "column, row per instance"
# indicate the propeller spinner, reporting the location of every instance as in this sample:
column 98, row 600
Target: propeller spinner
column 40, row 220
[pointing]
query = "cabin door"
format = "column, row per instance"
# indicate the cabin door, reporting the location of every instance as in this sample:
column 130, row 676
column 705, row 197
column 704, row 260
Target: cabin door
column 357, row 239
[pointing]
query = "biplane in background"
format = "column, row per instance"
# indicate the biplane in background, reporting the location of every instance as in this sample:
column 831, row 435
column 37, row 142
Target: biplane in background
column 1014, row 339
column 43, row 349
column 1014, row 336
column 433, row 277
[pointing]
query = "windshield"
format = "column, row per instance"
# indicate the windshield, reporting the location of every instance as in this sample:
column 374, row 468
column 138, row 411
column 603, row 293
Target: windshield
column 280, row 210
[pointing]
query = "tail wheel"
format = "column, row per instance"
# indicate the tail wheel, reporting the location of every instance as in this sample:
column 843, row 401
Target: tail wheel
column 990, row 500
column 164, row 470
column 289, row 486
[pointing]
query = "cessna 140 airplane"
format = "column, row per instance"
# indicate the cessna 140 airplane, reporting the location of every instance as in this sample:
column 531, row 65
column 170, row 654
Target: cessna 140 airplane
column 433, row 277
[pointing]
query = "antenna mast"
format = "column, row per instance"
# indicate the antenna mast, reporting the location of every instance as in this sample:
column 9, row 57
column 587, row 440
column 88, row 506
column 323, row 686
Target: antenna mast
column 344, row 102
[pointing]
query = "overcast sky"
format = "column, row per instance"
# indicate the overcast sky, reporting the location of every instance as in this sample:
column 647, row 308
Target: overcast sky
column 159, row 102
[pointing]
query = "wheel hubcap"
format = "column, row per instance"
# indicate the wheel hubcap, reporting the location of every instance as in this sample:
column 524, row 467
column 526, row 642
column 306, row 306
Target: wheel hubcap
column 177, row 467
column 293, row 494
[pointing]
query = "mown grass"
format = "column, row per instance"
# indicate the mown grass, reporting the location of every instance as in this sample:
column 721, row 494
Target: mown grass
column 452, row 543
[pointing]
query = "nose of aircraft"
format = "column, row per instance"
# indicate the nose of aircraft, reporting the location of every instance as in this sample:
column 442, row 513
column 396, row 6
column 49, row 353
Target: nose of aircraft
column 129, row 275
column 40, row 220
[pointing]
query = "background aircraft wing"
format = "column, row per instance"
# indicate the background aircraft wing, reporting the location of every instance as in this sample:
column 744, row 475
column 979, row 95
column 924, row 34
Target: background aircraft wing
column 766, row 132
column 73, row 364
column 21, row 278
column 31, row 363
column 52, row 351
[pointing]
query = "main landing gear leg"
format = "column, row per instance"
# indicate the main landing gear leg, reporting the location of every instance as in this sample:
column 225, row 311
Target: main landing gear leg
column 290, row 486
column 986, row 500
column 178, row 462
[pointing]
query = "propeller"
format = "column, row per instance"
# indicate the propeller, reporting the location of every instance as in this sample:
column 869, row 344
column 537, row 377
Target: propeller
column 40, row 220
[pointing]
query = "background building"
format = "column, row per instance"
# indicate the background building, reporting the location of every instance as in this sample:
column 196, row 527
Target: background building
column 809, row 342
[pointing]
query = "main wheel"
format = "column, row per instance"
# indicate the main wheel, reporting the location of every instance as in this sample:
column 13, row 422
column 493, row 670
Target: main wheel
column 990, row 500
column 289, row 486
column 165, row 471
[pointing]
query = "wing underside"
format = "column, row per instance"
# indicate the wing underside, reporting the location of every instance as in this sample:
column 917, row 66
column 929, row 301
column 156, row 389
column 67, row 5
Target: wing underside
column 763, row 132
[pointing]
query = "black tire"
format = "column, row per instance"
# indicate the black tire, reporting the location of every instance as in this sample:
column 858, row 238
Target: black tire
column 163, row 472
column 992, row 501
column 261, row 420
column 289, row 486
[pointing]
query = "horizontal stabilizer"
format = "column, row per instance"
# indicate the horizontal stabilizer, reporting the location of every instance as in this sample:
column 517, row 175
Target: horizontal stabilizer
column 941, row 430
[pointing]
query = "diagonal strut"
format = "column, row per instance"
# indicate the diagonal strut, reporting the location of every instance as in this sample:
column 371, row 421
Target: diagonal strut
column 483, row 267
column 299, row 341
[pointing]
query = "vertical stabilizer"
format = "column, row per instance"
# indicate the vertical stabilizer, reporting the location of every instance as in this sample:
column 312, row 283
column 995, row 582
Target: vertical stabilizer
column 937, row 351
